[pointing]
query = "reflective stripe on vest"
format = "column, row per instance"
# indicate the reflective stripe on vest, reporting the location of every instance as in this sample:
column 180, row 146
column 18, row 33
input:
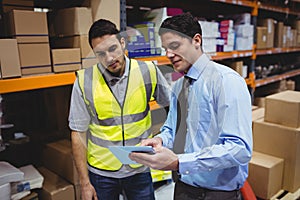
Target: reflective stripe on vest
column 111, row 123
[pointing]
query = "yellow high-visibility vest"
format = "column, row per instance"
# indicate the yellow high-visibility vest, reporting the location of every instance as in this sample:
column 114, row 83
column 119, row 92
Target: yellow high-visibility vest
column 113, row 124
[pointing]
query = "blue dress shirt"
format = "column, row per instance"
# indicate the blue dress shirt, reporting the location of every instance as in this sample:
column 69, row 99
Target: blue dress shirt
column 219, row 135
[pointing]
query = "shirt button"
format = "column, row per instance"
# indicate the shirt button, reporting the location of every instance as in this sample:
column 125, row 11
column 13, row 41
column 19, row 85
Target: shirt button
column 187, row 172
column 209, row 169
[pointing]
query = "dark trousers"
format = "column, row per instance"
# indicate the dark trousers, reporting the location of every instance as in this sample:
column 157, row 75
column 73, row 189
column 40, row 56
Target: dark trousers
column 136, row 187
column 184, row 191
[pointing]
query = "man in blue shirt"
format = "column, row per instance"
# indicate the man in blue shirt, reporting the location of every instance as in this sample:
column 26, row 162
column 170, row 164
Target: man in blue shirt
column 218, row 141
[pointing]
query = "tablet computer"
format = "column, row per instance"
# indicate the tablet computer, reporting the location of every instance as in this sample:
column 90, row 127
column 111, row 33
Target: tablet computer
column 122, row 152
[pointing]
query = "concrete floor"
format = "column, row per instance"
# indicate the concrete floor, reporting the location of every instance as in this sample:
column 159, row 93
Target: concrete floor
column 165, row 192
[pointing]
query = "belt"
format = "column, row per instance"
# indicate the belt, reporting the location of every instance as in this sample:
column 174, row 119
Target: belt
column 200, row 192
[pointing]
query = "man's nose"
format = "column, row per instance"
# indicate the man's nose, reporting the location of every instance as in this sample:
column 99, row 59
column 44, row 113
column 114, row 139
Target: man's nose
column 169, row 53
column 109, row 57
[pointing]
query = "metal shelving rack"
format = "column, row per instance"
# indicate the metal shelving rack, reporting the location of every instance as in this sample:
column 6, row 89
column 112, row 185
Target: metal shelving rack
column 53, row 80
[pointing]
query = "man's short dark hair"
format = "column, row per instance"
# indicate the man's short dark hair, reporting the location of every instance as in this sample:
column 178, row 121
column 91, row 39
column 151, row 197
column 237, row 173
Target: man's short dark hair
column 184, row 24
column 102, row 27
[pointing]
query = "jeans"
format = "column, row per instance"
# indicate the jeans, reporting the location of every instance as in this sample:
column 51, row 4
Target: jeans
column 136, row 187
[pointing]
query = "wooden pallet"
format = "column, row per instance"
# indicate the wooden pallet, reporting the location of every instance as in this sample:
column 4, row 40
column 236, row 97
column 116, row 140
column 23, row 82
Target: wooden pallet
column 284, row 195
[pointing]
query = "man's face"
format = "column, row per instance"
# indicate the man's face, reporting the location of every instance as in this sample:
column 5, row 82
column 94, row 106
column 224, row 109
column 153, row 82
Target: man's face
column 110, row 53
column 180, row 50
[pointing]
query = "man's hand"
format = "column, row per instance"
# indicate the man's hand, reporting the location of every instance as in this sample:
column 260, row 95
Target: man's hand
column 88, row 192
column 154, row 142
column 163, row 159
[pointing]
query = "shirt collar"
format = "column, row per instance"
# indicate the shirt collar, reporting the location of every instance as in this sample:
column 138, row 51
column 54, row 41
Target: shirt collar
column 109, row 77
column 198, row 67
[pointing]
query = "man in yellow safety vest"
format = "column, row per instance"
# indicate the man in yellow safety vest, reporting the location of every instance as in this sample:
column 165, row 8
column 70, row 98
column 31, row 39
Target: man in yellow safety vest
column 109, row 107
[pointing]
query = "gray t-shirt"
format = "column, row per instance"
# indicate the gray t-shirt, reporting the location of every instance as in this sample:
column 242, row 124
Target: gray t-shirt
column 79, row 117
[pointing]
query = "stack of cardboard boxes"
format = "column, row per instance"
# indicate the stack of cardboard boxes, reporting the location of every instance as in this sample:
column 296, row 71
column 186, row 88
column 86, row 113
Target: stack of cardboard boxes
column 272, row 33
column 58, row 161
column 30, row 29
column 276, row 139
column 9, row 59
column 7, row 6
column 27, row 51
column 69, row 29
column 9, row 53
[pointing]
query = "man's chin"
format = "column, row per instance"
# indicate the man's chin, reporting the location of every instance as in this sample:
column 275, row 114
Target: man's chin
column 178, row 68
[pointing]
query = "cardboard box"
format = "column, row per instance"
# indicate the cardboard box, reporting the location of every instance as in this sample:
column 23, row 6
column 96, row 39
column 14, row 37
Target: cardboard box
column 35, row 58
column 296, row 25
column 88, row 62
column 243, row 43
column 261, row 37
column 283, row 108
column 293, row 38
column 8, row 8
column 289, row 36
column 269, row 24
column 285, row 40
column 9, row 59
column 54, row 187
column 29, row 3
column 77, row 192
column 79, row 41
column 28, row 26
column 259, row 101
column 8, row 5
column 282, row 142
column 265, row 174
column 73, row 21
column 258, row 114
column 238, row 67
column 106, row 9
column 290, row 85
column 254, row 107
column 57, row 156
column 278, row 38
column 64, row 60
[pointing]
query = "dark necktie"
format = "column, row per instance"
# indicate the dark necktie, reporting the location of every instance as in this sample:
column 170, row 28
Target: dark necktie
column 181, row 127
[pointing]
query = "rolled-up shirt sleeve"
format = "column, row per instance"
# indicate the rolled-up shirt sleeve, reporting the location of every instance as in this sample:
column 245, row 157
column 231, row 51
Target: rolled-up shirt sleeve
column 79, row 117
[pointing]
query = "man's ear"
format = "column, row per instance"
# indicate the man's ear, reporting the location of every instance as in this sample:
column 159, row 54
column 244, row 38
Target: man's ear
column 197, row 40
column 123, row 43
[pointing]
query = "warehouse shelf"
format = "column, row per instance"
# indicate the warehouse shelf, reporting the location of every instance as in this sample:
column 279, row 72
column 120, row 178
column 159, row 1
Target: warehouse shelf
column 163, row 60
column 276, row 50
column 159, row 3
column 53, row 80
column 159, row 60
column 44, row 81
column 238, row 2
column 272, row 79
column 36, row 82
column 231, row 54
column 273, row 8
